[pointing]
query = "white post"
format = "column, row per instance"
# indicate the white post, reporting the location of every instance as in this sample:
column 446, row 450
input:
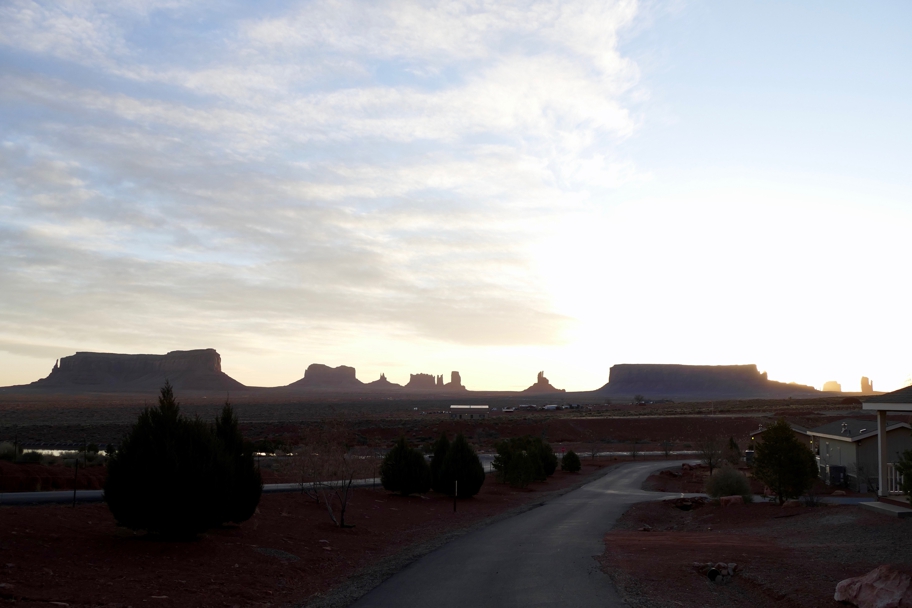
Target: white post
column 882, row 452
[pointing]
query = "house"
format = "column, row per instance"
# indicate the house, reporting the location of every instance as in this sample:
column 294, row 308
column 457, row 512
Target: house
column 468, row 412
column 846, row 450
column 897, row 401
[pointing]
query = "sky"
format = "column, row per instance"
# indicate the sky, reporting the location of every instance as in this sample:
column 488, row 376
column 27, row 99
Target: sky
column 496, row 188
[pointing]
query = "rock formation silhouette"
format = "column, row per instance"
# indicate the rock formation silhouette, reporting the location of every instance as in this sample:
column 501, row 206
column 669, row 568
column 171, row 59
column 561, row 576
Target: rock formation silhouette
column 319, row 376
column 455, row 383
column 427, row 382
column 831, row 386
column 543, row 386
column 382, row 384
column 185, row 369
column 867, row 386
column 697, row 381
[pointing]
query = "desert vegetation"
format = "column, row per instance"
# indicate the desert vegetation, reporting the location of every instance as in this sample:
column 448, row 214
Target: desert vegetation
column 729, row 481
column 570, row 462
column 786, row 465
column 176, row 476
column 522, row 460
column 404, row 470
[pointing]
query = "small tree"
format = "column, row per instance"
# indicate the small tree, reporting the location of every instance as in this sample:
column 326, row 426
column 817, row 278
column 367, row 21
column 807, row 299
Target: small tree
column 710, row 451
column 439, row 450
column 462, row 465
column 405, row 470
column 571, row 462
column 783, row 463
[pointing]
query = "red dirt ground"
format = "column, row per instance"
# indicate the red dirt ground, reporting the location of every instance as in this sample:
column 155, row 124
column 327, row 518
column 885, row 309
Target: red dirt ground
column 287, row 552
column 785, row 556
column 40, row 477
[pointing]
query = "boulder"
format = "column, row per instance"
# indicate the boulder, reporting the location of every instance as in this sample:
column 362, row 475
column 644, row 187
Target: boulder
column 838, row 493
column 883, row 587
column 792, row 503
column 731, row 500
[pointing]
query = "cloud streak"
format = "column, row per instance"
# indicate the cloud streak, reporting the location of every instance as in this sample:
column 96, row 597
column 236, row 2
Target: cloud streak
column 323, row 167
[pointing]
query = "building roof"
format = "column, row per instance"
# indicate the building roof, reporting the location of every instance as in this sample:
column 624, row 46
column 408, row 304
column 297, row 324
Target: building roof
column 795, row 427
column 854, row 429
column 903, row 395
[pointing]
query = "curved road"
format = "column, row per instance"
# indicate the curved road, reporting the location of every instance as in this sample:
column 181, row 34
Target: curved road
column 543, row 557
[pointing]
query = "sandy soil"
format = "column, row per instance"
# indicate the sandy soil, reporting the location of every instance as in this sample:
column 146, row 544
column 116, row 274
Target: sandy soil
column 786, row 556
column 285, row 554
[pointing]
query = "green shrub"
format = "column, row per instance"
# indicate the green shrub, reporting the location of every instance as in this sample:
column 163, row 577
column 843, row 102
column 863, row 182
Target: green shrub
column 405, row 470
column 439, row 450
column 461, row 465
column 178, row 477
column 571, row 462
column 543, row 460
column 728, row 481
column 244, row 486
column 7, row 451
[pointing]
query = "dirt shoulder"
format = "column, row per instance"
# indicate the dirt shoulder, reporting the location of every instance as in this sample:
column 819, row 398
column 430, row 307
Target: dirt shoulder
column 785, row 556
column 288, row 554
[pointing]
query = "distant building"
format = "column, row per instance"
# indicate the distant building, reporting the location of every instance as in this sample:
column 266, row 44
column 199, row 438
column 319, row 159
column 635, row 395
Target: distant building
column 468, row 412
column 832, row 387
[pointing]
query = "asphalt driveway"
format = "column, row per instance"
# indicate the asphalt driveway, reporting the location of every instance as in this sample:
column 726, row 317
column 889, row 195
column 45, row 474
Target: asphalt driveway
column 543, row 557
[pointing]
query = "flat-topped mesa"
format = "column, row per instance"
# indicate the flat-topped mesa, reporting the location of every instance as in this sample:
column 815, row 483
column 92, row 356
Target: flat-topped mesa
column 321, row 376
column 185, row 369
column 697, row 381
column 543, row 386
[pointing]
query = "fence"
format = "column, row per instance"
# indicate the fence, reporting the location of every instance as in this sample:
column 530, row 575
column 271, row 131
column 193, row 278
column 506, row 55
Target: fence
column 894, row 479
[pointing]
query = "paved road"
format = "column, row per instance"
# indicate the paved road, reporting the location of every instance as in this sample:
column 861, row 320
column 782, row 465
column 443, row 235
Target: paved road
column 543, row 557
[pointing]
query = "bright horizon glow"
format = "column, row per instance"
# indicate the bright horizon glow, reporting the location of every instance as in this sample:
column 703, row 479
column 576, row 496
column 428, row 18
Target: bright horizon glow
column 412, row 188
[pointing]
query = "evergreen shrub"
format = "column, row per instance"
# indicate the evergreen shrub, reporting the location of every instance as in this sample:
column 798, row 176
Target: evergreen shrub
column 439, row 450
column 404, row 470
column 461, row 464
column 571, row 462
column 178, row 477
column 512, row 467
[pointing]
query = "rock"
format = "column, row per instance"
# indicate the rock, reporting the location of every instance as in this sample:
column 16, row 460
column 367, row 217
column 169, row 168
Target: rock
column 731, row 500
column 542, row 386
column 321, row 376
column 186, row 369
column 838, row 493
column 646, row 528
column 712, row 381
column 883, row 587
column 792, row 503
column 686, row 467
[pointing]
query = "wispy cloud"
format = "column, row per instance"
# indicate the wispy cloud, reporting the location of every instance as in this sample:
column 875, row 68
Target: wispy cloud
column 201, row 172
